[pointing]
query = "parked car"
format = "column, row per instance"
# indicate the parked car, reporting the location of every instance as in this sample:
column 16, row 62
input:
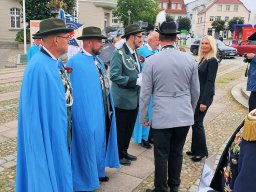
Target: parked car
column 245, row 47
column 224, row 50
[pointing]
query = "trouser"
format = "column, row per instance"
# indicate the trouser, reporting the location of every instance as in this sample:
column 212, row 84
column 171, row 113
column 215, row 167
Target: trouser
column 168, row 152
column 198, row 145
column 125, row 121
column 252, row 101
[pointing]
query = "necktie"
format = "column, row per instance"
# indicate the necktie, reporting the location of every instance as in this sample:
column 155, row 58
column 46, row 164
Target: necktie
column 134, row 57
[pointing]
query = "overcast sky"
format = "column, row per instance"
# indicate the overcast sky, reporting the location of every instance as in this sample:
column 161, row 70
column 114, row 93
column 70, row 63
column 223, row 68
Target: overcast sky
column 248, row 3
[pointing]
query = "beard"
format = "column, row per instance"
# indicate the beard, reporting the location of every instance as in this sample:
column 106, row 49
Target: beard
column 96, row 52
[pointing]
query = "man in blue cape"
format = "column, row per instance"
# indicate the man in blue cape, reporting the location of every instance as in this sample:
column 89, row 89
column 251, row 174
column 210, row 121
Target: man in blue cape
column 94, row 143
column 43, row 161
column 35, row 47
column 141, row 134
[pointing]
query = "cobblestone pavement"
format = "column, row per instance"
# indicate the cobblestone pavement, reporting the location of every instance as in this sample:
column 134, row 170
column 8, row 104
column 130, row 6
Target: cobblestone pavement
column 218, row 129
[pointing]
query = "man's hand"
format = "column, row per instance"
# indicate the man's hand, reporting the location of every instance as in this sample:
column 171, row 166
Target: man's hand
column 139, row 79
column 146, row 124
column 250, row 55
column 202, row 107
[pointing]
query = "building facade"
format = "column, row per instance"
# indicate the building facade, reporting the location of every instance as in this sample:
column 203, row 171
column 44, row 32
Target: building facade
column 214, row 10
column 175, row 8
column 11, row 21
column 90, row 13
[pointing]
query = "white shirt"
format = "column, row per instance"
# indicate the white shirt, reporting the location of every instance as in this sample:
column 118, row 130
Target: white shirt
column 47, row 51
column 136, row 57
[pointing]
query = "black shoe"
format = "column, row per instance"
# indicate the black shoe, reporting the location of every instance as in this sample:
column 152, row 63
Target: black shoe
column 197, row 158
column 145, row 144
column 149, row 190
column 104, row 179
column 174, row 189
column 130, row 157
column 190, row 153
column 125, row 161
column 151, row 141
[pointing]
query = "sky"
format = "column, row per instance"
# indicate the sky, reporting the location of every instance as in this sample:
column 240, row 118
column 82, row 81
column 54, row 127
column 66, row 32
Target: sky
column 248, row 3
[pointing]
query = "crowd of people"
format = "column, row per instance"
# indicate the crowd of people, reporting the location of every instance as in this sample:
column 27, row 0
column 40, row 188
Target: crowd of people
column 75, row 120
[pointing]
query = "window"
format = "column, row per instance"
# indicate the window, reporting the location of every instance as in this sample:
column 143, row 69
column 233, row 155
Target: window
column 226, row 19
column 211, row 18
column 164, row 6
column 173, row 5
column 114, row 20
column 198, row 20
column 235, row 7
column 179, row 6
column 179, row 17
column 219, row 8
column 227, row 7
column 201, row 19
column 217, row 18
column 169, row 5
column 15, row 17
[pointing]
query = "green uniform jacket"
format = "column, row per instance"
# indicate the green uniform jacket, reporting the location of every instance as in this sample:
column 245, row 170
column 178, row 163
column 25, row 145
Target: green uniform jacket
column 123, row 74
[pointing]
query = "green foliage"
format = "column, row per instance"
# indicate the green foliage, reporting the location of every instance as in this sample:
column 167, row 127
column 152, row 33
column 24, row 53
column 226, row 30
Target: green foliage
column 184, row 23
column 38, row 9
column 145, row 10
column 235, row 20
column 169, row 18
column 20, row 36
column 218, row 25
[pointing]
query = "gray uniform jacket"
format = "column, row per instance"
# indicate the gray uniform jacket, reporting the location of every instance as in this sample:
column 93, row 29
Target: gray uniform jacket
column 171, row 77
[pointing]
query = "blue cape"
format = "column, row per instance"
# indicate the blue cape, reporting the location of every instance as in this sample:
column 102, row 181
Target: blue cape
column 142, row 132
column 43, row 161
column 88, row 148
column 33, row 49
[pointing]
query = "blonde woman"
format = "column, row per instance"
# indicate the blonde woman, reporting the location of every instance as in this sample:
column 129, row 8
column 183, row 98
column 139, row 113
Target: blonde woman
column 207, row 70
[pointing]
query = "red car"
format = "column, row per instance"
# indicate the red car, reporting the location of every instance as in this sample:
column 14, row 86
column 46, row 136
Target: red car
column 245, row 47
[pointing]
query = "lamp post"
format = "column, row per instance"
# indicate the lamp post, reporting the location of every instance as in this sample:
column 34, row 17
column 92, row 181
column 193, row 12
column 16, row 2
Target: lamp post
column 24, row 27
column 129, row 13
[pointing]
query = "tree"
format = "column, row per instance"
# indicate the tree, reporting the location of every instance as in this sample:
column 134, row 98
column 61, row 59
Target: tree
column 145, row 10
column 184, row 23
column 235, row 20
column 169, row 18
column 218, row 25
column 38, row 10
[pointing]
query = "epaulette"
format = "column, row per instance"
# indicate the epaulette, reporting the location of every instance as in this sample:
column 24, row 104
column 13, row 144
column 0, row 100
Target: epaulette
column 249, row 132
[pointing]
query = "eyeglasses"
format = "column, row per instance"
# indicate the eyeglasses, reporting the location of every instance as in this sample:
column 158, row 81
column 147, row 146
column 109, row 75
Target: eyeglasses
column 139, row 36
column 68, row 38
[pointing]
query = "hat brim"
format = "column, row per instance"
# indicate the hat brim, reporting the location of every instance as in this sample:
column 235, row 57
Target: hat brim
column 55, row 31
column 169, row 33
column 132, row 33
column 91, row 37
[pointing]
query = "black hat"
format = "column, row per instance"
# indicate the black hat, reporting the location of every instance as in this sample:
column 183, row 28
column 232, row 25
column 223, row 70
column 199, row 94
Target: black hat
column 36, row 36
column 168, row 28
column 91, row 33
column 131, row 30
column 52, row 26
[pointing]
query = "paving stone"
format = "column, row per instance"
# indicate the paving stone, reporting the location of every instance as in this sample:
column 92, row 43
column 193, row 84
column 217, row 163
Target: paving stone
column 1, row 169
column 12, row 124
column 10, row 158
column 9, row 164
column 10, row 133
column 2, row 161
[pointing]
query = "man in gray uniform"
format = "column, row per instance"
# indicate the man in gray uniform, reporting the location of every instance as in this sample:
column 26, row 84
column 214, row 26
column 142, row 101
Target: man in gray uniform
column 171, row 77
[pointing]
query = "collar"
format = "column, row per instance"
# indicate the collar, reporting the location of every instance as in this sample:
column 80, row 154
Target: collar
column 131, row 51
column 86, row 53
column 149, row 47
column 49, row 53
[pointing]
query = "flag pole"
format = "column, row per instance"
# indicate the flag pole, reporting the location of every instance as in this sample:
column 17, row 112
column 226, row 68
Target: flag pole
column 77, row 9
column 24, row 28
